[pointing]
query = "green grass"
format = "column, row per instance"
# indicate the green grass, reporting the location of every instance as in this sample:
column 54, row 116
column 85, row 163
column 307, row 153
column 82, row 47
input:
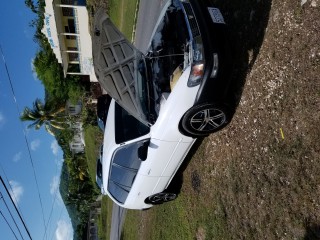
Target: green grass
column 104, row 220
column 93, row 139
column 131, row 225
column 122, row 13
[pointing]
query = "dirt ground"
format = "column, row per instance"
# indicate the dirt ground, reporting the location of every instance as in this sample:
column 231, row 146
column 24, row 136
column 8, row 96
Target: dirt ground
column 263, row 169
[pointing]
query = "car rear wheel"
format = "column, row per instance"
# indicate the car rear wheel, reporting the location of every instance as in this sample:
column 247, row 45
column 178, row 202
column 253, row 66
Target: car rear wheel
column 160, row 198
column 204, row 119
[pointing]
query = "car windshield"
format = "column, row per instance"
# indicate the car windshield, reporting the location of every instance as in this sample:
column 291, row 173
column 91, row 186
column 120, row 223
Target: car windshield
column 123, row 170
column 127, row 127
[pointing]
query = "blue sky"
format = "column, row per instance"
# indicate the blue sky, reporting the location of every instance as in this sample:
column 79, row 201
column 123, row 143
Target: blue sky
column 18, row 47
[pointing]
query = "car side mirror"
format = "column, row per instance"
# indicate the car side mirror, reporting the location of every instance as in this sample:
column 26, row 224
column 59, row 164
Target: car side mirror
column 143, row 150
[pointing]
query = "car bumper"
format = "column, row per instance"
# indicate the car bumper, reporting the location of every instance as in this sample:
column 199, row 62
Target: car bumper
column 215, row 83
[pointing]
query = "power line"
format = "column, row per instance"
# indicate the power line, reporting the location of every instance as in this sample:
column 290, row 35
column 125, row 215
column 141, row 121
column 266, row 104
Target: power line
column 59, row 220
column 1, row 196
column 26, row 140
column 24, row 224
column 51, row 211
column 8, row 224
column 13, row 196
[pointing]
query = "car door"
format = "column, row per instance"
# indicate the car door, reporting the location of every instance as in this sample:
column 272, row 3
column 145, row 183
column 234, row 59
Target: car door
column 164, row 159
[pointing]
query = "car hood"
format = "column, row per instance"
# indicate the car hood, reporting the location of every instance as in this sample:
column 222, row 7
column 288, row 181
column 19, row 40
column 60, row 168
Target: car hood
column 115, row 62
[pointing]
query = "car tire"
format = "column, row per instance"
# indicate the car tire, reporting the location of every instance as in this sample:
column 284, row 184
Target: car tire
column 201, row 120
column 161, row 197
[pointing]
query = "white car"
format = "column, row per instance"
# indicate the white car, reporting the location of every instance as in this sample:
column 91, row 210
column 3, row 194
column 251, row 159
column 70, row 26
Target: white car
column 163, row 100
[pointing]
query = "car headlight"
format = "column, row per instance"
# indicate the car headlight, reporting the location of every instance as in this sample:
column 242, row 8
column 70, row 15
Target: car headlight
column 195, row 74
column 198, row 64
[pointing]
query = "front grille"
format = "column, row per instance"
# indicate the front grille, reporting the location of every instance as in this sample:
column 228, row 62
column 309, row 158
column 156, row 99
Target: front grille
column 191, row 19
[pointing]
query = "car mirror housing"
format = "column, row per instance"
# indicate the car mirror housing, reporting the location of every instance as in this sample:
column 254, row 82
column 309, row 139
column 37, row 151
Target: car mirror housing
column 143, row 150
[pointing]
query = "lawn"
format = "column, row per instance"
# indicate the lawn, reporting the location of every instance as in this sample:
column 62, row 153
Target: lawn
column 121, row 12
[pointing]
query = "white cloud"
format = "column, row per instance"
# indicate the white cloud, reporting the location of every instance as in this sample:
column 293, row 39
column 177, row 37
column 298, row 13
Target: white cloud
column 54, row 147
column 35, row 144
column 64, row 230
column 2, row 119
column 16, row 191
column 34, row 73
column 59, row 162
column 54, row 185
column 17, row 157
column 54, row 188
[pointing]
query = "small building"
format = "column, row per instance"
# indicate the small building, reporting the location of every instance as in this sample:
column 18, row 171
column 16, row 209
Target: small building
column 77, row 144
column 95, row 211
column 73, row 109
column 66, row 25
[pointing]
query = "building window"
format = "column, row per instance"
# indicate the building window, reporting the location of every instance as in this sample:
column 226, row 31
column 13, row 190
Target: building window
column 68, row 12
column 71, row 28
column 71, row 25
column 73, row 57
column 71, row 37
column 69, row 2
column 72, row 48
column 74, row 68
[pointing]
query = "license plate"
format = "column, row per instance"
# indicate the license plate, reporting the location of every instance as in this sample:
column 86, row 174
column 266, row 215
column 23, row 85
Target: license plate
column 216, row 15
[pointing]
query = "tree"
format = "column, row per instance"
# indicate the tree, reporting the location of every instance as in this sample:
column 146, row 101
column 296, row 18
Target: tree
column 45, row 114
column 35, row 6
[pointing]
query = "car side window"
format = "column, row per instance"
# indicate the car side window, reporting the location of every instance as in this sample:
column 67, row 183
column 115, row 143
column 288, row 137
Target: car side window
column 123, row 170
column 127, row 127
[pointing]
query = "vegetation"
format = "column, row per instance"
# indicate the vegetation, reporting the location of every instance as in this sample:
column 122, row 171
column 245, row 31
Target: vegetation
column 49, row 71
column 93, row 140
column 43, row 114
column 77, row 192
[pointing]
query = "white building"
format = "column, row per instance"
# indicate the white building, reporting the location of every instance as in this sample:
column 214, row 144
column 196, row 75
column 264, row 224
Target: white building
column 66, row 26
column 77, row 145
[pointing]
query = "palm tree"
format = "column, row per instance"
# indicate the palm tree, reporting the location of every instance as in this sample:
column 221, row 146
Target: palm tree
column 44, row 114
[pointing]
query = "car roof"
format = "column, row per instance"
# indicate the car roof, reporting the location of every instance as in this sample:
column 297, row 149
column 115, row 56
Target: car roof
column 114, row 60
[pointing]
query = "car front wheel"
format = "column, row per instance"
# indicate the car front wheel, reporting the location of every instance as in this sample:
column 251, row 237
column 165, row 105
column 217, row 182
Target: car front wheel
column 201, row 120
column 160, row 198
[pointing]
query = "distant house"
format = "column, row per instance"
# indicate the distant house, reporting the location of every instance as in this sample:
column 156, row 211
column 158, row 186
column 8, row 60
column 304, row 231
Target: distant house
column 77, row 145
column 73, row 109
column 95, row 210
column 67, row 29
